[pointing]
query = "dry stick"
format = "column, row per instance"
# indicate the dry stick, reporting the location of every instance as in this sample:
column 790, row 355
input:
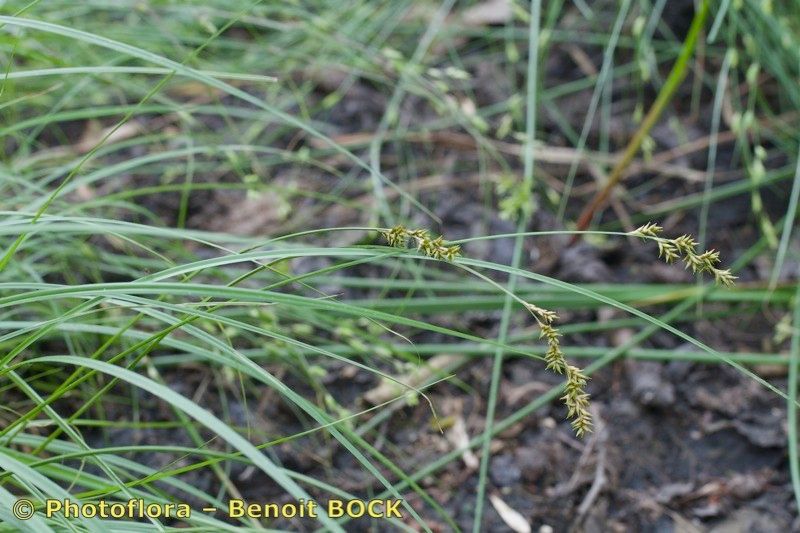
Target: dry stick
column 676, row 76
column 600, row 479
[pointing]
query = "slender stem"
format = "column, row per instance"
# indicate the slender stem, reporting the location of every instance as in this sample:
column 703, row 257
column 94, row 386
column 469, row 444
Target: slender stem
column 791, row 404
column 497, row 367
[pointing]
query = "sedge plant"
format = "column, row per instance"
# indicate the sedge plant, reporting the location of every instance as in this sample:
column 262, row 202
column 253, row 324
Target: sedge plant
column 152, row 349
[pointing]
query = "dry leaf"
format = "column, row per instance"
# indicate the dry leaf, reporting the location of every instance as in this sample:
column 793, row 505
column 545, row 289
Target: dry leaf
column 512, row 518
column 457, row 435
column 388, row 390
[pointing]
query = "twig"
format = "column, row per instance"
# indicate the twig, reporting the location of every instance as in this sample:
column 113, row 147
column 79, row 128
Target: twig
column 600, row 479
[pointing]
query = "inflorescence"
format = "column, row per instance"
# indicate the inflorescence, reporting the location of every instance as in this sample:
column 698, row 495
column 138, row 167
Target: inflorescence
column 575, row 397
column 436, row 248
column 684, row 248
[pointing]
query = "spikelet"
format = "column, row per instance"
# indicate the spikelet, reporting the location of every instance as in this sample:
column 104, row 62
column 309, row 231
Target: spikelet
column 436, row 248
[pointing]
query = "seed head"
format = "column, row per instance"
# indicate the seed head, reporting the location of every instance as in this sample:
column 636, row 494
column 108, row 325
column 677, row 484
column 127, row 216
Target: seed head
column 399, row 236
column 684, row 248
column 396, row 236
column 577, row 401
